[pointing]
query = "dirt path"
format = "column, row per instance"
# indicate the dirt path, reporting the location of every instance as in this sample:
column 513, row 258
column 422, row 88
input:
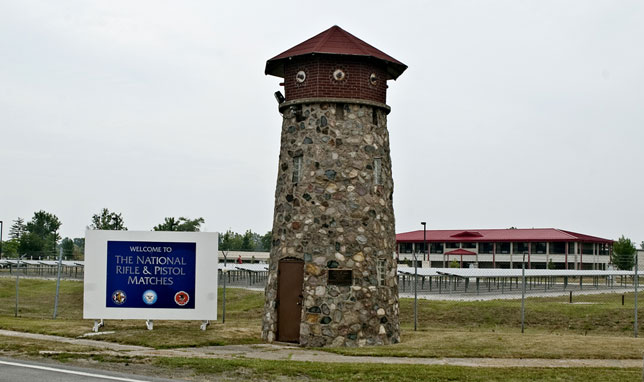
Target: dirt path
column 293, row 353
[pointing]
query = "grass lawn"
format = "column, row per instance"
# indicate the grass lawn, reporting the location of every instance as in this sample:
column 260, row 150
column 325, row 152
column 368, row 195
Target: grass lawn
column 262, row 370
column 448, row 328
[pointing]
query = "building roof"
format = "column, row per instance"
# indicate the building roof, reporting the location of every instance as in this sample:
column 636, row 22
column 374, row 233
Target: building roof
column 334, row 41
column 460, row 251
column 498, row 235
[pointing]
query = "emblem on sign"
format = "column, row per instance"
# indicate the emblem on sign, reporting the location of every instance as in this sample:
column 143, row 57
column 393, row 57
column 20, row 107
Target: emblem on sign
column 181, row 298
column 119, row 297
column 149, row 297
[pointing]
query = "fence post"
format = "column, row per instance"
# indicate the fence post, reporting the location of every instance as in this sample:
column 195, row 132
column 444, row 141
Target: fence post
column 60, row 263
column 523, row 294
column 635, row 281
column 17, row 283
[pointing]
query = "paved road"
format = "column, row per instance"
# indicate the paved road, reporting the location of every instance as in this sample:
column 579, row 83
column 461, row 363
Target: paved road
column 27, row 371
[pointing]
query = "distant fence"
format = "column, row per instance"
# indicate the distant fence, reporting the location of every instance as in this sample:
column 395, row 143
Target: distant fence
column 42, row 268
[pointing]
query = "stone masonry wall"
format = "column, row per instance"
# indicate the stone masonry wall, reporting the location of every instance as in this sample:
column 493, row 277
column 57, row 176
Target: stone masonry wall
column 336, row 217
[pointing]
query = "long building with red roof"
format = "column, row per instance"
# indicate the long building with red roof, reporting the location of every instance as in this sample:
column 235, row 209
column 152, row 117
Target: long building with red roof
column 504, row 248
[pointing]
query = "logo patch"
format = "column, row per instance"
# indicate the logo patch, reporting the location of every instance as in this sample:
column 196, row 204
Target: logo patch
column 181, row 298
column 119, row 297
column 149, row 297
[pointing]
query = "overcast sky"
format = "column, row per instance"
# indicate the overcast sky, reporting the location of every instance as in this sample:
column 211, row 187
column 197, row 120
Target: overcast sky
column 512, row 113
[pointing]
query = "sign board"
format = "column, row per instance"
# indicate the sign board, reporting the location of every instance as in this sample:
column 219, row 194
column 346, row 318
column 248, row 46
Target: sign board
column 150, row 275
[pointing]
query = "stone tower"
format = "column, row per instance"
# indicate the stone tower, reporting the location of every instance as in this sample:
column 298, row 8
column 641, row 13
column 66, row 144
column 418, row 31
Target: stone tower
column 332, row 273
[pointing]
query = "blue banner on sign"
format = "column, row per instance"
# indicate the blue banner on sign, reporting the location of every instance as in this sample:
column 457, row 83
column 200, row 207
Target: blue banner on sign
column 143, row 274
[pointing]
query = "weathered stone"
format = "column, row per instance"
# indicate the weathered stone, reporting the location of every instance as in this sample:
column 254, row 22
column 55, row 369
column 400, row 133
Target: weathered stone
column 330, row 174
column 336, row 217
column 313, row 269
column 331, row 188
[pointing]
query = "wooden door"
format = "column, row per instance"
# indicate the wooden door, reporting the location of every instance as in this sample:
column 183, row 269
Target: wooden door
column 289, row 300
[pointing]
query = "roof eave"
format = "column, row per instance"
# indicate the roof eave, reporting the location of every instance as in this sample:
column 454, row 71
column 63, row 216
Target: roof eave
column 275, row 66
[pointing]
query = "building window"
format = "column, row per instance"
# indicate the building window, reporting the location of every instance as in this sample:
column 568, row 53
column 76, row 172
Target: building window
column 452, row 245
column 571, row 248
column 486, row 247
column 538, row 248
column 382, row 272
column 297, row 169
column 374, row 116
column 519, row 248
column 503, row 248
column 377, row 171
column 587, row 248
column 468, row 245
column 557, row 248
column 405, row 247
column 436, row 247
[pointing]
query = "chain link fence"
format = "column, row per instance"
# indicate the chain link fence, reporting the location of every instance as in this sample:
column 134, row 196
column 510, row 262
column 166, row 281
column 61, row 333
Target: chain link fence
column 601, row 303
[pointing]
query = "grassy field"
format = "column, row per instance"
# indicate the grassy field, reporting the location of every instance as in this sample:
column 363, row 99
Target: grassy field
column 447, row 329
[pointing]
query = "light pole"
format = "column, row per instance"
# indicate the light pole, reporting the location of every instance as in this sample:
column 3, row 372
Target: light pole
column 416, row 288
column 425, row 242
column 1, row 226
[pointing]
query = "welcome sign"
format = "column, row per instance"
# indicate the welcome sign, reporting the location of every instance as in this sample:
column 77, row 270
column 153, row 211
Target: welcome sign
column 150, row 275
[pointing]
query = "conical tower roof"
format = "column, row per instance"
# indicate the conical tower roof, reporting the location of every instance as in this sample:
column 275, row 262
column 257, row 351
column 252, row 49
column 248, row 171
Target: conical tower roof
column 334, row 41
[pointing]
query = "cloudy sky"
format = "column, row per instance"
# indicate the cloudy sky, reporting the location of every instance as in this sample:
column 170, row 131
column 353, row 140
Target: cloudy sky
column 512, row 113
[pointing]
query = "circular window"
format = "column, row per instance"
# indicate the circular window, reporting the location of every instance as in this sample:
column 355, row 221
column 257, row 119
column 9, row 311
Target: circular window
column 300, row 76
column 339, row 75
column 373, row 79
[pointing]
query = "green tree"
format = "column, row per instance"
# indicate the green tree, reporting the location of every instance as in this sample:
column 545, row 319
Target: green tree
column 181, row 224
column 17, row 228
column 107, row 220
column 230, row 241
column 68, row 248
column 551, row 265
column 41, row 235
column 10, row 247
column 79, row 248
column 454, row 264
column 623, row 254
column 642, row 245
column 247, row 241
column 266, row 241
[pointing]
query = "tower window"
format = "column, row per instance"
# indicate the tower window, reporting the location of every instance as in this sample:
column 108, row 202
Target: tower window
column 382, row 272
column 377, row 171
column 297, row 169
column 374, row 116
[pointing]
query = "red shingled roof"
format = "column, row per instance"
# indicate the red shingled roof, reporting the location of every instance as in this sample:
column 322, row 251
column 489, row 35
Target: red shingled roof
column 498, row 235
column 334, row 40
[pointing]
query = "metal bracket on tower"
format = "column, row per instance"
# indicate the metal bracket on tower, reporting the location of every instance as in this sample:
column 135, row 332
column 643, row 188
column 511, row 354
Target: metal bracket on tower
column 149, row 324
column 204, row 324
column 97, row 325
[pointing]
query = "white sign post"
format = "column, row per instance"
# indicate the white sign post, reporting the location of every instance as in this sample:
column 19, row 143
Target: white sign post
column 150, row 275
